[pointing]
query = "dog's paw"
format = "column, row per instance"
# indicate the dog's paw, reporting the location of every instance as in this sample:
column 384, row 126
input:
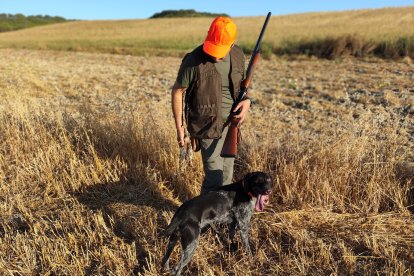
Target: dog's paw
column 165, row 268
column 253, row 251
column 175, row 271
column 233, row 247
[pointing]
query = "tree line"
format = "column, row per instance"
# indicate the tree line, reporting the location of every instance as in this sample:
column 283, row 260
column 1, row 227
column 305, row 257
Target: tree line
column 12, row 22
column 185, row 13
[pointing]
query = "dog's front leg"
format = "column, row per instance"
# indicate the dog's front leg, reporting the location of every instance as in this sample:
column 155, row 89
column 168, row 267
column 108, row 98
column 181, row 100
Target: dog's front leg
column 244, row 232
column 232, row 230
column 243, row 222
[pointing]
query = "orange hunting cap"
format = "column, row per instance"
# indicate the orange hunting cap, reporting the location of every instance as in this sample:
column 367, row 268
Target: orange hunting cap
column 220, row 37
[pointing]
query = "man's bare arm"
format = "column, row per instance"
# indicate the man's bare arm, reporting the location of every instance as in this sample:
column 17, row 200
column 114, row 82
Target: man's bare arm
column 177, row 109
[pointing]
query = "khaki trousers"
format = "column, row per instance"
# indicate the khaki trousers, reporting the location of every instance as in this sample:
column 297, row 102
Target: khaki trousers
column 218, row 170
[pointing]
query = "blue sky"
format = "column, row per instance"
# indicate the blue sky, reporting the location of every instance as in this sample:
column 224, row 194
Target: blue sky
column 125, row 9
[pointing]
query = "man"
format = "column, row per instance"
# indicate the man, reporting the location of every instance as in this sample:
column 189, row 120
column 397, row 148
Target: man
column 210, row 76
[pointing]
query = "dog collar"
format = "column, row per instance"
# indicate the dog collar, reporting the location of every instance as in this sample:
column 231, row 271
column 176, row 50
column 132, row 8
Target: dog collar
column 244, row 189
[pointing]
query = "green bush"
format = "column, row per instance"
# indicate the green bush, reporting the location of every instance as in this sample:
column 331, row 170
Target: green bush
column 185, row 13
column 11, row 22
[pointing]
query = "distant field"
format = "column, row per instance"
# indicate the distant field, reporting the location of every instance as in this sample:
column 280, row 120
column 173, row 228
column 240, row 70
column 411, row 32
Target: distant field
column 382, row 32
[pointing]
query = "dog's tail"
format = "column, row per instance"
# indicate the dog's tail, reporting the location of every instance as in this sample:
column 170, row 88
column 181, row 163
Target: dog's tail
column 175, row 222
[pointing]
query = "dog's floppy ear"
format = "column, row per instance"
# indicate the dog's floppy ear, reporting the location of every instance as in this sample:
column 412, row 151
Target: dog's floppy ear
column 259, row 176
column 248, row 176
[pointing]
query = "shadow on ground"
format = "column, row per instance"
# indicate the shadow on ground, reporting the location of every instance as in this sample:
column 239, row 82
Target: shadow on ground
column 124, row 204
column 134, row 202
column 405, row 174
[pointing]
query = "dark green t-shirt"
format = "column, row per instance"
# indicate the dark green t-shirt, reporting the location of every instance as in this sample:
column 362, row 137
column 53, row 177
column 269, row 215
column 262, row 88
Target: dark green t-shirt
column 186, row 75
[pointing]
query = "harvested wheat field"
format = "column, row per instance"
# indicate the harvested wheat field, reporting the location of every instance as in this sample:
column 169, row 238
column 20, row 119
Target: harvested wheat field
column 89, row 173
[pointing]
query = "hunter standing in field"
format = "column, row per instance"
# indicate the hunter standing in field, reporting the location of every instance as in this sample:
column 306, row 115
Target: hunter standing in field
column 209, row 79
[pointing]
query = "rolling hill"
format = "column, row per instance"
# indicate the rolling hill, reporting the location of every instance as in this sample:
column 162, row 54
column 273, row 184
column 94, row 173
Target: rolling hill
column 384, row 32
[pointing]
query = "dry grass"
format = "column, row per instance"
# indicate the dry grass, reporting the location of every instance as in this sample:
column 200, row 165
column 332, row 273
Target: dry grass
column 385, row 32
column 89, row 173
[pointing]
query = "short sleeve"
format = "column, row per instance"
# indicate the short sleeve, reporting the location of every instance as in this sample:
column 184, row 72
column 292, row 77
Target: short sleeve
column 185, row 74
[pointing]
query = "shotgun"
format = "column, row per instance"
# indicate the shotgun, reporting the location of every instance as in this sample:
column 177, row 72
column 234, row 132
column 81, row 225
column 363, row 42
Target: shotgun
column 230, row 143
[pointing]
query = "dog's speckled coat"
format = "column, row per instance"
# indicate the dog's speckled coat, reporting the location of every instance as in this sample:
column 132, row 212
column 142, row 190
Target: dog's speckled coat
column 230, row 204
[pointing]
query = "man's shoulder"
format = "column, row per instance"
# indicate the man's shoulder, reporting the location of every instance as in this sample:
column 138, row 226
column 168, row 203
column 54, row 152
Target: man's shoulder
column 193, row 58
column 237, row 50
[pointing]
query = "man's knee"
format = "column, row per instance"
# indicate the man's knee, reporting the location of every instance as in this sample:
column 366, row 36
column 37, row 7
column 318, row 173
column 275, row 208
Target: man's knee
column 228, row 168
column 212, row 179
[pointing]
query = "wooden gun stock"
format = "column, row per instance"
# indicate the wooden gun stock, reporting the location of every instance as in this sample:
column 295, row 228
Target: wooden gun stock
column 232, row 140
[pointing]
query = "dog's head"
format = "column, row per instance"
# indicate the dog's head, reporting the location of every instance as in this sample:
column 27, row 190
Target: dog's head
column 259, row 184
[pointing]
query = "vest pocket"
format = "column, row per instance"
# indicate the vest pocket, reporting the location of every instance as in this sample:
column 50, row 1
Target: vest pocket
column 201, row 120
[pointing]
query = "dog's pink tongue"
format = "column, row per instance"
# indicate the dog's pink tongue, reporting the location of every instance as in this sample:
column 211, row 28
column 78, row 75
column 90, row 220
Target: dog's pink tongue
column 261, row 201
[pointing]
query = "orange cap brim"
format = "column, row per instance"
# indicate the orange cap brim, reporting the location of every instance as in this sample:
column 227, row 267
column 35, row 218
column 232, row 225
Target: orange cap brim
column 217, row 51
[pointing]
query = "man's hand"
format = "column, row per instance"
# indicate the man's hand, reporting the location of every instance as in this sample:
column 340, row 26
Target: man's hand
column 180, row 136
column 243, row 107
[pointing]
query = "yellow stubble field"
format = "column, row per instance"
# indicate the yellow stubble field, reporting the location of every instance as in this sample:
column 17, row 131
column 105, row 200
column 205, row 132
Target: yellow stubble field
column 90, row 177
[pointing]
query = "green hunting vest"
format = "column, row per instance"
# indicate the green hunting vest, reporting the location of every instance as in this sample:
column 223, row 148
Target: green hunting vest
column 203, row 97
